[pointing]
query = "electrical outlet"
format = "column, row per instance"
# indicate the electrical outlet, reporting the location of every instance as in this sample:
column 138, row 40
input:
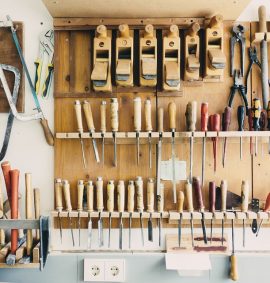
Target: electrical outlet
column 94, row 269
column 115, row 270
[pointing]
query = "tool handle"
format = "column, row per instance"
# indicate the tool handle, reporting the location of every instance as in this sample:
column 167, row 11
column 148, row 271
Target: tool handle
column 114, row 114
column 121, row 196
column 80, row 190
column 191, row 116
column 88, row 116
column 78, row 112
column 66, row 190
column 188, row 192
column 160, row 119
column 49, row 72
column 216, row 21
column 110, row 196
column 6, row 168
column 137, row 114
column 101, row 31
column 28, row 196
column 150, row 195
column 148, row 117
column 103, row 116
column 180, row 203
column 226, row 118
column 214, row 122
column 90, row 196
column 99, row 188
column 193, row 29
column 240, row 117
column 172, row 115
column 131, row 194
column 58, row 194
column 204, row 116
column 256, row 113
column 212, row 197
column 47, row 132
column 263, row 120
column 38, row 64
column 262, row 19
column 139, row 191
column 37, row 208
column 267, row 203
column 224, row 189
column 244, row 196
column 268, row 115
column 160, row 198
column 234, row 271
column 196, row 186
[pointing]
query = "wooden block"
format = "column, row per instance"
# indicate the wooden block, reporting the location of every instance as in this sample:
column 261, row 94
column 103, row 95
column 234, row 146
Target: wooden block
column 123, row 67
column 216, row 56
column 100, row 71
column 172, row 71
column 149, row 66
column 36, row 254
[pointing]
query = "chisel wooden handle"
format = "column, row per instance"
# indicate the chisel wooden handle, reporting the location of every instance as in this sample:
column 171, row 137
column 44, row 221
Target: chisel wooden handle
column 262, row 19
column 80, row 188
column 191, row 116
column 139, row 191
column 150, row 195
column 88, row 116
column 103, row 116
column 78, row 111
column 148, row 117
column 212, row 197
column 204, row 116
column 110, row 196
column 234, row 271
column 90, row 196
column 137, row 114
column 188, row 192
column 58, row 189
column 226, row 118
column 121, row 196
column 99, row 189
column 198, row 193
column 66, row 190
column 224, row 189
column 180, row 203
column 172, row 115
column 131, row 194
column 114, row 114
column 244, row 196
column 160, row 119
column 37, row 209
column 6, row 168
column 160, row 198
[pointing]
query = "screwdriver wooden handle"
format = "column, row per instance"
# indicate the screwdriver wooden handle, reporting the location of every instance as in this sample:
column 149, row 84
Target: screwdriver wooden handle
column 224, row 189
column 196, row 186
column 28, row 196
column 90, row 196
column 121, row 196
column 66, row 190
column 160, row 119
column 172, row 115
column 99, row 190
column 240, row 117
column 88, row 116
column 6, row 168
column 78, row 111
column 139, row 192
column 226, row 118
column 103, row 116
column 80, row 188
column 160, row 198
column 137, row 114
column 58, row 191
column 212, row 197
column 131, row 194
column 267, row 203
column 180, row 203
column 204, row 116
column 124, row 30
column 148, row 117
column 189, row 197
column 234, row 271
column 37, row 208
column 244, row 196
column 262, row 19
column 150, row 195
column 110, row 196
column 114, row 114
column 191, row 116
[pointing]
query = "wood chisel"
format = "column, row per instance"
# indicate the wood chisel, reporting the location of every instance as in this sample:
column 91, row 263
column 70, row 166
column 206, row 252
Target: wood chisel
column 103, row 127
column 244, row 205
column 181, row 198
column 29, row 212
column 78, row 111
column 268, row 124
column 130, row 207
column 121, row 208
column 191, row 119
column 148, row 128
column 58, row 191
column 160, row 130
column 110, row 206
column 114, row 125
column 190, row 209
column 160, row 209
column 240, row 119
column 150, row 207
column 212, row 205
column 100, row 207
column 204, row 125
column 224, row 190
column 80, row 191
column 91, row 127
column 233, row 272
column 66, row 190
column 172, row 123
column 90, row 209
column 137, row 124
column 37, row 209
column 256, row 114
column 215, row 127
column 140, row 205
column 266, row 209
column 196, row 186
column 226, row 121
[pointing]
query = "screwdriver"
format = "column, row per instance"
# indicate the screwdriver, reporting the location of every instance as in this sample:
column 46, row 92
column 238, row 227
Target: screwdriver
column 212, row 205
column 226, row 121
column 172, row 121
column 149, row 128
column 268, row 124
column 233, row 272
column 137, row 124
column 240, row 119
column 160, row 130
column 121, row 208
column 266, row 209
column 188, row 193
column 100, row 207
column 59, row 203
column 110, row 206
column 160, row 208
column 215, row 127
column 103, row 126
column 90, row 209
column 256, row 114
column 204, row 124
column 198, row 194
column 130, row 207
column 78, row 111
column 114, row 126
column 224, row 189
column 191, row 118
column 140, row 205
column 244, row 204
column 90, row 124
column 181, row 198
column 80, row 188
column 150, row 207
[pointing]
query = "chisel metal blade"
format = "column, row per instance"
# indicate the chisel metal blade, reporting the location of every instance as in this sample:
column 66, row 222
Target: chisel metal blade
column 264, row 72
column 141, row 226
column 191, row 230
column 89, row 239
column 103, row 149
column 150, row 229
column 83, row 154
column 100, row 231
column 110, row 226
column 191, row 143
column 180, row 230
column 114, row 150
column 159, row 165
column 121, row 232
column 222, row 232
column 60, row 226
column 173, row 169
column 160, row 229
column 204, row 229
column 95, row 149
column 79, row 227
column 150, row 150
column 129, row 228
column 71, row 229
column 138, row 147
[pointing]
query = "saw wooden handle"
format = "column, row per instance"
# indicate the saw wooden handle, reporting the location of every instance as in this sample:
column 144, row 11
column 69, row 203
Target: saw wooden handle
column 6, row 168
column 47, row 132
column 99, row 190
column 191, row 116
column 90, row 196
column 131, row 194
column 114, row 114
column 150, row 195
column 148, row 118
column 110, row 196
column 244, row 196
column 37, row 209
column 188, row 192
column 78, row 112
column 121, row 196
column 172, row 115
column 234, row 271
column 262, row 19
column 160, row 119
column 103, row 116
column 224, row 189
column 88, row 116
column 139, row 191
column 160, row 198
column 180, row 203
column 66, row 190
column 137, row 103
column 58, row 189
column 80, row 188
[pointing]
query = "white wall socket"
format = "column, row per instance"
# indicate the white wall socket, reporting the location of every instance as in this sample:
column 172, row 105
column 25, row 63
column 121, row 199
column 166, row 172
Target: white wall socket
column 115, row 270
column 94, row 270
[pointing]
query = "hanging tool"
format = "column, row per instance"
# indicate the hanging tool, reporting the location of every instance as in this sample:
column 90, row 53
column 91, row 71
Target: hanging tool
column 148, row 127
column 256, row 114
column 66, row 190
column 196, row 186
column 140, row 205
column 226, row 121
column 204, row 124
column 215, row 127
column 188, row 192
column 37, row 209
column 137, row 124
column 266, row 209
column 59, row 203
column 244, row 205
column 233, row 272
column 100, row 207
column 130, row 208
column 240, row 119
column 150, row 207
column 29, row 212
column 114, row 126
column 110, row 206
column 212, row 205
column 172, row 121
column 268, row 124
column 224, row 189
column 90, row 209
column 160, row 208
column 80, row 191
column 121, row 208
column 160, row 130
column 103, row 127
column 181, row 198
column 250, row 127
column 191, row 118
column 78, row 111
column 238, row 32
column 255, row 207
column 91, row 127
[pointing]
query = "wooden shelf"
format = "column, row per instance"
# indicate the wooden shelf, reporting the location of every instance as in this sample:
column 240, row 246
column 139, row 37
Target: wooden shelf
column 21, row 266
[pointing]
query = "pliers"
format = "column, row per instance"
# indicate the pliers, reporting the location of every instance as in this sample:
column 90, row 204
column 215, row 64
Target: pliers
column 238, row 85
